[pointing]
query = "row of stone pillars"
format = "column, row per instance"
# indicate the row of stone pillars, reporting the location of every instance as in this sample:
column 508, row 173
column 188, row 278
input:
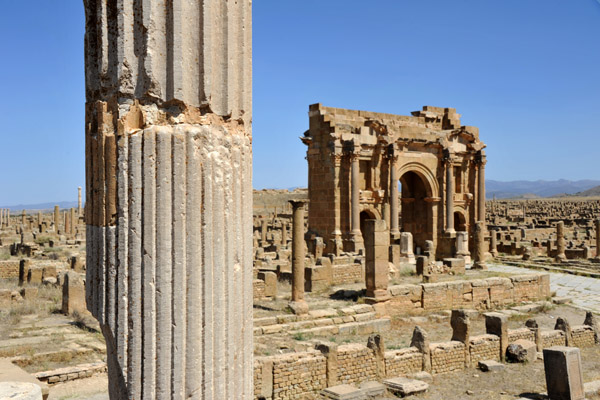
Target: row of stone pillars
column 4, row 217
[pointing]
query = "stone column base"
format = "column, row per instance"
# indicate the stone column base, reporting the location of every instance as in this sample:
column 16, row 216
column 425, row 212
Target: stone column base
column 299, row 307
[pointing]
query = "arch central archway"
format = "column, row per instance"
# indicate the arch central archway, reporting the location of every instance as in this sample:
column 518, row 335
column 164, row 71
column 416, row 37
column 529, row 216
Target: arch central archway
column 415, row 213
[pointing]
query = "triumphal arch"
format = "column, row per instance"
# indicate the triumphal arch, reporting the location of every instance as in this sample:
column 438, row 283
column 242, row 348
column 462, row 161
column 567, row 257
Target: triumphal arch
column 423, row 174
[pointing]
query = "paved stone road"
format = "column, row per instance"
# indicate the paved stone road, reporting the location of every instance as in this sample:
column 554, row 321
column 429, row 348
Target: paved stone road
column 584, row 291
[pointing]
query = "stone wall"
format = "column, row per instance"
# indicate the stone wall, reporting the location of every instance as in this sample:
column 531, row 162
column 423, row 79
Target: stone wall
column 9, row 269
column 521, row 333
column 583, row 336
column 447, row 357
column 484, row 347
column 403, row 361
column 348, row 273
column 552, row 338
column 356, row 363
column 258, row 289
column 297, row 374
column 479, row 293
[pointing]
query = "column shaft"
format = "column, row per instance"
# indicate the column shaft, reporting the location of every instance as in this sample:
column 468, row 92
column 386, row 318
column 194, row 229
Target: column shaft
column 169, row 195
column 394, row 212
column 298, row 304
column 481, row 192
column 449, row 198
column 355, row 200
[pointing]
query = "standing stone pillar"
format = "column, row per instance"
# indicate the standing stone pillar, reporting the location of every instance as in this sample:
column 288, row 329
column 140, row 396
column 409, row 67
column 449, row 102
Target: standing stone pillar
column 73, row 221
column 298, row 304
column 67, row 223
column 479, row 253
column 494, row 244
column 79, row 201
column 355, row 203
column 462, row 246
column 597, row 258
column 481, row 186
column 449, row 196
column 23, row 221
column 2, row 217
column 169, row 195
column 39, row 218
column 56, row 218
column 263, row 232
column 394, row 212
column 377, row 243
column 284, row 233
column 560, row 242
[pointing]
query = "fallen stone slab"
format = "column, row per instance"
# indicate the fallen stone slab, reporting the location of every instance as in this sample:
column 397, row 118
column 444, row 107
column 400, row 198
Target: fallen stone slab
column 11, row 373
column 20, row 391
column 490, row 366
column 405, row 386
column 343, row 392
column 562, row 300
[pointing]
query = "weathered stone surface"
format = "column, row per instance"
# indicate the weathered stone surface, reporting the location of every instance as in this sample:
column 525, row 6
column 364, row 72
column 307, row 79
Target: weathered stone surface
column 20, row 391
column 405, row 386
column 343, row 392
column 169, row 195
column 490, row 366
column 521, row 351
column 564, row 376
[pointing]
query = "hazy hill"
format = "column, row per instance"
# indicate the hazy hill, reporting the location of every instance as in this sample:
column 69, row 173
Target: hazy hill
column 593, row 192
column 41, row 206
column 532, row 189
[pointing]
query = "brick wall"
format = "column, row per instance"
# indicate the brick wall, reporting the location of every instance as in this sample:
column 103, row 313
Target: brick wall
column 583, row 336
column 9, row 269
column 348, row 273
column 521, row 333
column 403, row 361
column 298, row 374
column 484, row 347
column 356, row 363
column 552, row 338
column 258, row 289
column 447, row 357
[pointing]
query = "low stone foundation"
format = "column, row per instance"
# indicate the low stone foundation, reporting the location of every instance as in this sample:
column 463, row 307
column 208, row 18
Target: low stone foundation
column 9, row 269
column 478, row 294
column 296, row 375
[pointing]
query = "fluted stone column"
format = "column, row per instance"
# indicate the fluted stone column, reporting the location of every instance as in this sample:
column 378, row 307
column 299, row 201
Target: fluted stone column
column 394, row 212
column 479, row 251
column 560, row 242
column 79, row 201
column 169, row 195
column 355, row 203
column 56, row 218
column 481, row 187
column 449, row 197
column 298, row 304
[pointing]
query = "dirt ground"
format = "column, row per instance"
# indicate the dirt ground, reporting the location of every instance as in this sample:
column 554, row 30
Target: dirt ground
column 93, row 388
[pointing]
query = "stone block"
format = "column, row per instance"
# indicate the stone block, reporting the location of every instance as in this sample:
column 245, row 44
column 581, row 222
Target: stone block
column 73, row 299
column 343, row 392
column 405, row 386
column 564, row 376
column 490, row 366
column 521, row 351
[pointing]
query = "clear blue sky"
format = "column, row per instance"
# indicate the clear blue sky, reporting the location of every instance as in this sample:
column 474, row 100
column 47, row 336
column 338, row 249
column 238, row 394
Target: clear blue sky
column 527, row 73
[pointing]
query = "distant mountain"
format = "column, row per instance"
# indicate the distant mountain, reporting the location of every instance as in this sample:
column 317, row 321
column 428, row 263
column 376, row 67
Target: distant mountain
column 41, row 206
column 593, row 192
column 532, row 189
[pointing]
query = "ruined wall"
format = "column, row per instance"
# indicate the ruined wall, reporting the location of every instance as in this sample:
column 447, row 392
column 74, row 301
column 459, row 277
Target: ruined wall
column 348, row 273
column 583, row 336
column 553, row 338
column 298, row 374
column 484, row 347
column 9, row 269
column 521, row 333
column 480, row 294
column 403, row 362
column 447, row 357
column 356, row 364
